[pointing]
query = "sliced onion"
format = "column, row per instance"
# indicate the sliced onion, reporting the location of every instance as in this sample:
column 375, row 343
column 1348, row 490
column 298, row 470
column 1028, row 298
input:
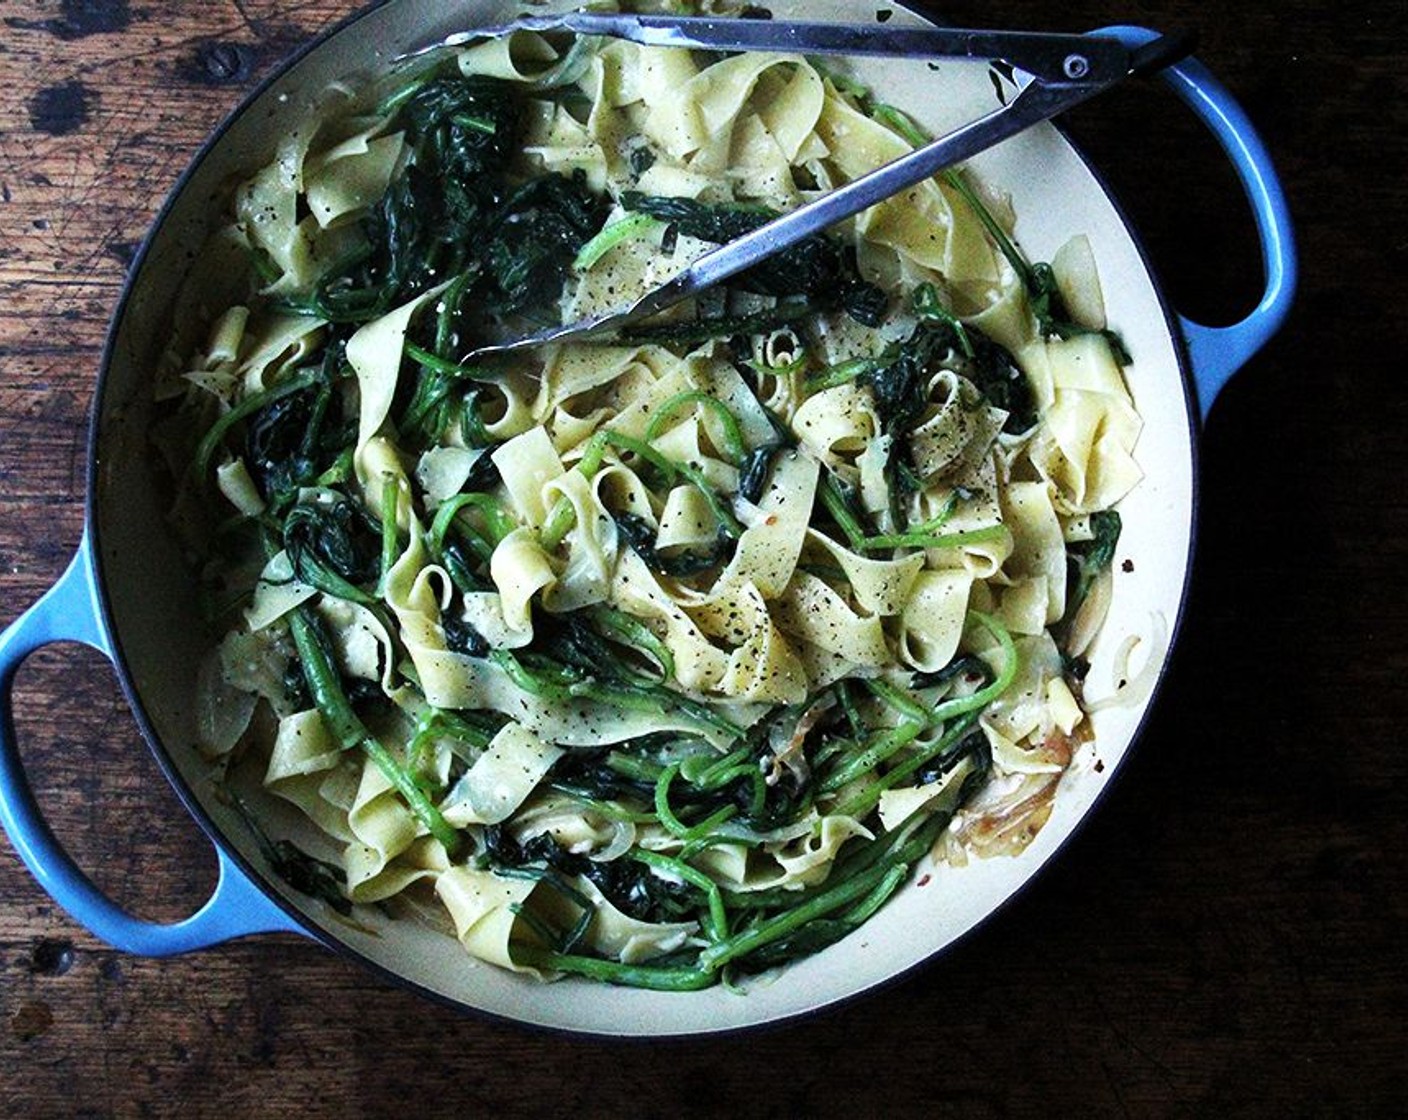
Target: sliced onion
column 1131, row 689
column 622, row 840
column 735, row 831
column 787, row 737
column 222, row 711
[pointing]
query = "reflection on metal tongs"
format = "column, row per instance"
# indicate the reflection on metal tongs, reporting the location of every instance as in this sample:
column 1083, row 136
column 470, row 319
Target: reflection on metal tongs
column 1052, row 72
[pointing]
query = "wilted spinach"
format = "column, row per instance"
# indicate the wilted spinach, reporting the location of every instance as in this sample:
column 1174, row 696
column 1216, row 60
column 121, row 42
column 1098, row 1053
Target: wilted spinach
column 532, row 240
column 815, row 267
column 293, row 438
column 333, row 547
column 1088, row 559
column 461, row 134
column 640, row 535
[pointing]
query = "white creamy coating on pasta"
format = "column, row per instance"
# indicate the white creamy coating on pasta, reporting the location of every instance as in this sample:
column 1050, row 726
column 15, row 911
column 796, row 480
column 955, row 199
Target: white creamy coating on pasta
column 617, row 501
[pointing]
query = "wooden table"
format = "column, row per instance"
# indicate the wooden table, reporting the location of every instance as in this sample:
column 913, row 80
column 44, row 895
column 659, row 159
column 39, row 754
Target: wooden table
column 1226, row 937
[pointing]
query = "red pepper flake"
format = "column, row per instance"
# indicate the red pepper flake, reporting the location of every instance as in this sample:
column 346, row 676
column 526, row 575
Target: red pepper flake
column 923, row 881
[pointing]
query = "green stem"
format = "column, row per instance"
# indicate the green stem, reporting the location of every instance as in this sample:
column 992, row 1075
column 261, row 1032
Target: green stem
column 445, row 520
column 711, row 774
column 866, row 908
column 437, row 364
column 886, row 541
column 559, row 686
column 538, row 924
column 390, row 534
column 902, row 124
column 735, row 447
column 1019, row 263
column 638, row 447
column 704, row 771
column 626, row 697
column 676, row 826
column 398, row 97
column 772, row 929
column 610, row 236
column 325, row 687
column 927, row 306
column 323, row 684
column 898, row 700
column 339, row 472
column 842, row 692
column 436, row 723
column 474, row 124
column 868, row 798
column 717, row 926
column 497, row 520
column 535, row 684
column 843, row 372
column 471, row 425
column 641, row 770
column 964, row 710
column 876, row 752
column 611, row 810
column 656, row 977
column 558, row 524
column 420, row 805
column 1011, row 662
column 564, row 515
column 205, row 450
column 841, row 512
column 631, row 631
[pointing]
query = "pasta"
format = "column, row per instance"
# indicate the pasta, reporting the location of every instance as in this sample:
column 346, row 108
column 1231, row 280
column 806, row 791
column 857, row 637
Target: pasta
column 662, row 659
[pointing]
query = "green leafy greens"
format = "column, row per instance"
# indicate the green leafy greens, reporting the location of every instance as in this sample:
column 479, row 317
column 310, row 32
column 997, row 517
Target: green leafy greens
column 470, row 218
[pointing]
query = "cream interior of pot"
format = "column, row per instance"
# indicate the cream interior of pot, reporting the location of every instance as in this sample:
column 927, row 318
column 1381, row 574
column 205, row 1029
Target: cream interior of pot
column 161, row 640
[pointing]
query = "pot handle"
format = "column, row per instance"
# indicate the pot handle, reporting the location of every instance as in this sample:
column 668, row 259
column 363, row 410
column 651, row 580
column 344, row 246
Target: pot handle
column 1216, row 353
column 69, row 611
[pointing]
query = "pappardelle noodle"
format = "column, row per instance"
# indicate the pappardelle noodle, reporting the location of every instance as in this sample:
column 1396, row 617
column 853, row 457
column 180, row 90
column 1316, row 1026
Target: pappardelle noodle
column 661, row 661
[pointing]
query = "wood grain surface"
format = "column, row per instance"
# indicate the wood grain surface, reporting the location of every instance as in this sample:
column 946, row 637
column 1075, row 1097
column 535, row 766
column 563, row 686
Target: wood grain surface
column 1224, row 938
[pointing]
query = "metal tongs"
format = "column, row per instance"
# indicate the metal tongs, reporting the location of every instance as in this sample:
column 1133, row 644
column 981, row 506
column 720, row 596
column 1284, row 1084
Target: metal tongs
column 1051, row 72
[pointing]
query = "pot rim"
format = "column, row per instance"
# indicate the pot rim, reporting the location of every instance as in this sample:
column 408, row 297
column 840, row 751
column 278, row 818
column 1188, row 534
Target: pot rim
column 324, row 935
